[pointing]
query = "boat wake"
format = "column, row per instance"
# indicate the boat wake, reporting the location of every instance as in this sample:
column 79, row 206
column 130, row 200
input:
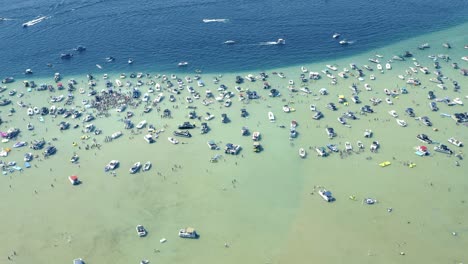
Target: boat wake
column 212, row 20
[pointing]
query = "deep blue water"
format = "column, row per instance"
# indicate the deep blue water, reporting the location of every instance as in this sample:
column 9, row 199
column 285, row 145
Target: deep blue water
column 158, row 34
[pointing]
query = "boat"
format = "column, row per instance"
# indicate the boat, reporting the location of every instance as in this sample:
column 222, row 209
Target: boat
column 369, row 201
column 28, row 157
column 304, row 69
column 360, row 145
column 182, row 64
column 331, row 67
column 74, row 158
column 173, row 140
column 317, row 115
column 348, row 146
column 78, row 261
column 455, row 142
column 141, row 125
column 232, row 149
column 188, row 232
column 326, row 195
column 401, row 122
column 116, row 134
column 20, row 144
column 393, row 113
column 302, row 153
column 211, row 20
column 426, row 121
column 344, row 42
column 332, row 147
column 74, row 180
column 186, row 125
column 330, row 132
column 321, row 151
column 443, row 149
column 229, row 42
column 313, row 108
column 385, row 164
column 336, row 35
column 422, row 151
column 342, row 120
column 256, row 136
column 149, row 138
column 141, row 231
column 34, row 21
column 182, row 133
column 374, row 146
column 135, row 168
column 112, row 165
column 424, row 138
column 286, row 109
column 271, row 116
column 388, row 66
column 147, row 166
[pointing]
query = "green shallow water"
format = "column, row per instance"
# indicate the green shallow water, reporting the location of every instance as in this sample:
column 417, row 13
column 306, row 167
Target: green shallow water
column 263, row 205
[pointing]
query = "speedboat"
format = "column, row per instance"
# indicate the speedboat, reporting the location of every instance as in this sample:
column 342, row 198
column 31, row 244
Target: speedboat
column 271, row 116
column 424, row 138
column 326, row 195
column 141, row 125
column 426, row 121
column 331, row 67
column 330, row 132
column 28, row 157
column 336, row 35
column 182, row 64
column 401, row 122
column 211, row 20
column 173, row 140
column 78, row 261
column 34, row 21
column 455, row 142
column 116, row 135
column 147, row 166
column 443, row 149
column 344, row 42
column 188, row 232
column 112, row 165
column 360, row 144
column 374, row 146
column 393, row 113
column 321, row 151
column 388, row 66
column 182, row 133
column 348, row 146
column 256, row 136
column 229, row 42
column 141, row 231
column 332, row 147
column 186, row 125
column 302, row 153
column 149, row 138
column 20, row 144
column 135, row 168
column 74, row 180
column 74, row 158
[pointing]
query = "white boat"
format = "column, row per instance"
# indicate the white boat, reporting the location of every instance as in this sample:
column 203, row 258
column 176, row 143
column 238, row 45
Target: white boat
column 393, row 113
column 336, row 35
column 229, row 42
column 118, row 82
column 116, row 134
column 326, row 195
column 141, row 231
column 313, row 108
column 135, row 168
column 256, row 136
column 401, row 122
column 344, row 42
column 182, row 64
column 142, row 124
column 188, row 232
column 149, row 138
column 455, row 142
column 30, row 111
column 379, row 67
column 331, row 67
column 173, row 140
column 112, row 165
column 458, row 101
column 304, row 69
column 34, row 21
column 211, row 20
column 389, row 101
column 147, row 166
column 302, row 153
column 348, row 146
column 159, row 98
column 367, row 87
column 359, row 144
column 286, row 109
column 209, row 116
column 372, row 77
column 465, row 58
column 271, row 116
column 388, row 66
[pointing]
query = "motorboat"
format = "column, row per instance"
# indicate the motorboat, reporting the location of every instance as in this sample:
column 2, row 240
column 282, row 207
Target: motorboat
column 348, row 146
column 331, row 67
column 112, row 165
column 369, row 201
column 74, row 180
column 326, row 195
column 188, row 232
column 232, row 149
column 455, row 142
column 8, row 80
column 245, row 131
column 374, row 146
column 135, row 168
column 401, row 122
column 182, row 64
column 443, row 149
column 49, row 151
column 321, row 151
column 313, row 108
column 410, row 112
column 34, row 21
column 141, row 231
column 426, row 121
column 342, row 120
column 74, row 158
column 256, row 136
column 78, row 261
column 88, row 118
column 182, row 133
column 146, row 166
column 393, row 113
column 116, row 134
column 28, row 157
column 424, row 138
column 186, row 125
column 271, row 116
column 388, row 66
column 330, row 132
column 317, row 115
column 229, row 42
column 344, row 42
column 433, row 106
column 149, row 138
column 292, row 133
column 302, row 153
column 332, row 147
column 359, row 144
column 211, row 20
column 173, row 140
column 142, row 124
